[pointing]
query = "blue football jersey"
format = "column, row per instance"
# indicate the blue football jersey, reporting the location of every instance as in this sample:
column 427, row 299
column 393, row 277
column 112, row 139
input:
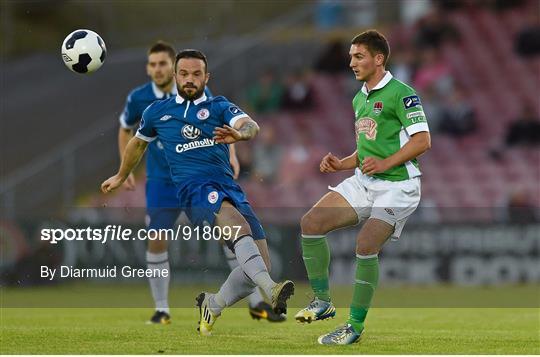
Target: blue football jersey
column 185, row 129
column 137, row 101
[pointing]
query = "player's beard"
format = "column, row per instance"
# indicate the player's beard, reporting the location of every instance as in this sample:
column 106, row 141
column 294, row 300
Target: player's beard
column 197, row 94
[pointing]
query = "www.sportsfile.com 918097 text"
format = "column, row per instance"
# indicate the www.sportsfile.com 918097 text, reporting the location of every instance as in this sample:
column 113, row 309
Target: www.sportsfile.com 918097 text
column 119, row 233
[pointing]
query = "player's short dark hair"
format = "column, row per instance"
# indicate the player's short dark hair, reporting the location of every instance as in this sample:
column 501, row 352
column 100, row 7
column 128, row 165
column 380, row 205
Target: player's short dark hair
column 162, row 46
column 190, row 53
column 375, row 43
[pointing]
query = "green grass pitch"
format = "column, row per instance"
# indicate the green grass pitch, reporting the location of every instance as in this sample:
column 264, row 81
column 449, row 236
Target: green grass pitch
column 390, row 330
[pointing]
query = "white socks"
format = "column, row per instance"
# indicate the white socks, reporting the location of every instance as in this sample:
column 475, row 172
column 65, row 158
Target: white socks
column 250, row 260
column 256, row 297
column 159, row 285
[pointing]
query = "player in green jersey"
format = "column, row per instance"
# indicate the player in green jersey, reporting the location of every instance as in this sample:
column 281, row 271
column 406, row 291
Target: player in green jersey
column 391, row 132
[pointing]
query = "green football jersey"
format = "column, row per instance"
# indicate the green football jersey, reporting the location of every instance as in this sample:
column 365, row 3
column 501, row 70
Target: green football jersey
column 386, row 117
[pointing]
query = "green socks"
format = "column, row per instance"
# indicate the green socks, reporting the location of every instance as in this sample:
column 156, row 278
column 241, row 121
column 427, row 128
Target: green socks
column 365, row 283
column 316, row 254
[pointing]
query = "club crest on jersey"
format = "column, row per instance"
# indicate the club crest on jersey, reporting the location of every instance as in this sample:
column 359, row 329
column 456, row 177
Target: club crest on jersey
column 378, row 107
column 366, row 126
column 190, row 132
column 213, row 197
column 203, row 114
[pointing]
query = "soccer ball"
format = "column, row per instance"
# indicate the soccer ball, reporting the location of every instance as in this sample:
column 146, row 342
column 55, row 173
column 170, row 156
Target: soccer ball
column 83, row 51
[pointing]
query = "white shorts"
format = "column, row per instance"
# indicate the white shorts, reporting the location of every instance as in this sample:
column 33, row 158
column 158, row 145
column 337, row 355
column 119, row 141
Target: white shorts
column 390, row 201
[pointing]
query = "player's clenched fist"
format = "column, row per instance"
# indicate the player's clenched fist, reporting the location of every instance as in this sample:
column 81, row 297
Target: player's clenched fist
column 372, row 166
column 330, row 163
column 112, row 183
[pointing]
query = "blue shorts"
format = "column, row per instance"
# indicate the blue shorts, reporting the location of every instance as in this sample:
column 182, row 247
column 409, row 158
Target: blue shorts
column 161, row 204
column 202, row 200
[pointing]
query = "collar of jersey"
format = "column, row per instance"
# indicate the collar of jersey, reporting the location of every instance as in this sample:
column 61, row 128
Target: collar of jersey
column 197, row 101
column 159, row 93
column 384, row 81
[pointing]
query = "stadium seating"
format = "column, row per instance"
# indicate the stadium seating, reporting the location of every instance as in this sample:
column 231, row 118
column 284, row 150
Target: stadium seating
column 458, row 173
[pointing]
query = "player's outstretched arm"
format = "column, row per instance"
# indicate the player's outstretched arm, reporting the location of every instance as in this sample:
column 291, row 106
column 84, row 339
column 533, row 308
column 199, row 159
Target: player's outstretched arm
column 244, row 129
column 418, row 144
column 124, row 136
column 132, row 155
column 331, row 163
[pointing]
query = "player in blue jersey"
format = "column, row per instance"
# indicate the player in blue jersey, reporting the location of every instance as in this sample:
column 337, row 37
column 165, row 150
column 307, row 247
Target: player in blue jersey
column 161, row 201
column 195, row 132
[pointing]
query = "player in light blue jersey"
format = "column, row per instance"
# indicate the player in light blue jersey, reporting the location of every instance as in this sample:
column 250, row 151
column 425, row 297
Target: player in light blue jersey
column 161, row 201
column 195, row 131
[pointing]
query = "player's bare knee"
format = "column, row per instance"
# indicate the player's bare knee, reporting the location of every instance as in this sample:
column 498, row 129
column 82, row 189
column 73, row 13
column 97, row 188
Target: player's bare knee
column 311, row 223
column 245, row 230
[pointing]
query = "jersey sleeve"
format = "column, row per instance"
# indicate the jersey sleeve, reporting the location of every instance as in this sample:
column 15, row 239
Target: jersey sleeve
column 129, row 118
column 147, row 131
column 410, row 112
column 232, row 113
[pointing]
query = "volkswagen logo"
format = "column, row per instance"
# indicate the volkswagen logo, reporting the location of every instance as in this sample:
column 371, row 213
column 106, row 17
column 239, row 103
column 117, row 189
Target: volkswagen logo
column 190, row 132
